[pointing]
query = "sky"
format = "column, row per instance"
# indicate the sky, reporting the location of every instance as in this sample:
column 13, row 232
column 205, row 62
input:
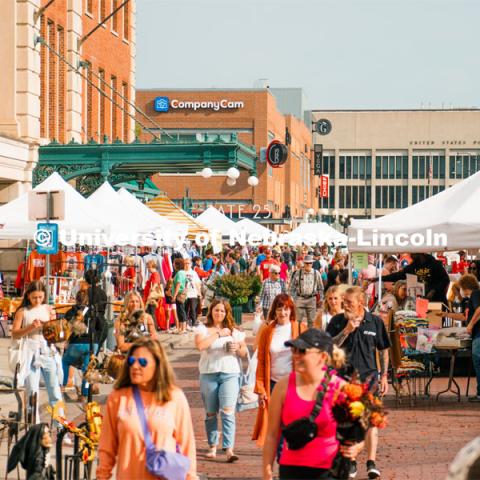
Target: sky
column 343, row 53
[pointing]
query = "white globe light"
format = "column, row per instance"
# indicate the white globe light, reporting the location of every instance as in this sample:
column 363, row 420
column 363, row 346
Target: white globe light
column 233, row 173
column 252, row 181
column 231, row 182
column 207, row 172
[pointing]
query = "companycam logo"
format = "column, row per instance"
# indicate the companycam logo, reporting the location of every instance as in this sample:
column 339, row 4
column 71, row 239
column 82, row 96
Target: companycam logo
column 164, row 104
column 374, row 238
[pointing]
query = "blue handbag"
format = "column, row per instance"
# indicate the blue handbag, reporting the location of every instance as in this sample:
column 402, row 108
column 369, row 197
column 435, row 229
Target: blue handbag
column 161, row 463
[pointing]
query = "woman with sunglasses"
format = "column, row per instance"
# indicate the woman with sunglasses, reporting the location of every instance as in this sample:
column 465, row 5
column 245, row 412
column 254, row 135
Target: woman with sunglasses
column 294, row 397
column 122, row 442
column 220, row 344
column 474, row 268
column 274, row 359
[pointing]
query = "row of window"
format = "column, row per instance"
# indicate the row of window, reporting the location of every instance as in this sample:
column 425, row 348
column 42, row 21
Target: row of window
column 391, row 197
column 105, row 8
column 421, row 192
column 355, row 197
column 396, row 166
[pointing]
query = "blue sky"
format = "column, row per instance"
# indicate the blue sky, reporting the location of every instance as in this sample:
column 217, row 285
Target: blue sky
column 343, row 53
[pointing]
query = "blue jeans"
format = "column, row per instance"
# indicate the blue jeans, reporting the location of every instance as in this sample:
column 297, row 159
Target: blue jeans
column 219, row 392
column 476, row 360
column 77, row 354
column 50, row 373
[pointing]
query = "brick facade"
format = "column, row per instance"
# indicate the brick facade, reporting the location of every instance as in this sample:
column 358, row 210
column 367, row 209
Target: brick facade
column 257, row 123
column 108, row 52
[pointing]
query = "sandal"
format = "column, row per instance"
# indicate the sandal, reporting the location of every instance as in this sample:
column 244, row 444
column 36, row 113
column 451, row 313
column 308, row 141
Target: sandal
column 212, row 452
column 231, row 457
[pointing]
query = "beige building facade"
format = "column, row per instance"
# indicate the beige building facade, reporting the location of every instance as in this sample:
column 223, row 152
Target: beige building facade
column 382, row 160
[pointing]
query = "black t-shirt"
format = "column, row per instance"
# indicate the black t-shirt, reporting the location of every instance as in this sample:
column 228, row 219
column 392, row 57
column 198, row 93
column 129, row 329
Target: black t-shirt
column 362, row 343
column 473, row 304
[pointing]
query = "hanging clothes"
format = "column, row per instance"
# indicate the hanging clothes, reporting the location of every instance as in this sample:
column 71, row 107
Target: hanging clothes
column 36, row 266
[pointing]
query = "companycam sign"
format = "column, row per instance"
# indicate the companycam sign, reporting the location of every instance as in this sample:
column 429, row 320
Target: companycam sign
column 164, row 104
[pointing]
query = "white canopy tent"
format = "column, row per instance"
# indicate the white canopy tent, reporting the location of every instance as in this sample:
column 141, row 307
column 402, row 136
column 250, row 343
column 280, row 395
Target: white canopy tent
column 79, row 216
column 216, row 220
column 316, row 233
column 449, row 220
column 251, row 227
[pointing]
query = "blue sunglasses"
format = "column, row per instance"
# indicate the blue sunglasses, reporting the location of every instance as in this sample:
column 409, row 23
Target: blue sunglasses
column 143, row 362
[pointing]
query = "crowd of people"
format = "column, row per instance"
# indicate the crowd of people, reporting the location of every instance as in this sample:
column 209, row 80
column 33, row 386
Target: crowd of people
column 315, row 332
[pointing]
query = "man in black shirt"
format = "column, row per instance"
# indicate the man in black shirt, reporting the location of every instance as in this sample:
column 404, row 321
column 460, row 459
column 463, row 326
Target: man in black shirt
column 469, row 289
column 361, row 334
column 429, row 271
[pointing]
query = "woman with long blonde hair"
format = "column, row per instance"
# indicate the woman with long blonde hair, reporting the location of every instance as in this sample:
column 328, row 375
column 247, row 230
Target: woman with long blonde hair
column 332, row 305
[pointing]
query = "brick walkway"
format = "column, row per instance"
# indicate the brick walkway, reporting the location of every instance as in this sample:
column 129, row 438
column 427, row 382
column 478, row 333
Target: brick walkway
column 418, row 444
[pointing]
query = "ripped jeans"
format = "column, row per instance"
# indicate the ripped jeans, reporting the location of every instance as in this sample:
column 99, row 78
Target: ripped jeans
column 220, row 393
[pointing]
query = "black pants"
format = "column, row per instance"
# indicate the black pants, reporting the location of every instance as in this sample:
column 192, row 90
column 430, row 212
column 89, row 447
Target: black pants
column 181, row 312
column 191, row 307
column 293, row 472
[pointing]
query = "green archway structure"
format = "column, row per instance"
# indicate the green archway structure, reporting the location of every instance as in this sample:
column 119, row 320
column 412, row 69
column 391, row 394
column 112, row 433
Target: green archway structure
column 93, row 163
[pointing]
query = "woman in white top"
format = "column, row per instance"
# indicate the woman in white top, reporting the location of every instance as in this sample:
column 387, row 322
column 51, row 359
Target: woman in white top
column 333, row 305
column 36, row 356
column 220, row 344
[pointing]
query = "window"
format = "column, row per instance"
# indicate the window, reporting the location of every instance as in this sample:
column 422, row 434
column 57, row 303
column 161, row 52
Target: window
column 466, row 166
column 115, row 17
column 342, row 197
column 391, row 197
column 391, row 167
column 332, row 166
column 398, row 165
column 369, row 167
column 421, row 170
column 103, row 126
column 405, row 167
column 368, row 192
column 378, row 197
column 126, row 22
column 384, row 167
column 404, row 197
column 103, row 10
column 361, row 167
column 125, row 117
column 384, row 197
column 354, row 197
column 378, row 167
column 114, row 108
column 341, row 167
column 415, row 167
column 355, row 167
column 348, row 169
column 435, row 165
column 398, row 197
column 89, row 105
column 361, row 197
column 348, row 197
column 414, row 195
column 442, row 166
column 325, row 164
column 90, row 6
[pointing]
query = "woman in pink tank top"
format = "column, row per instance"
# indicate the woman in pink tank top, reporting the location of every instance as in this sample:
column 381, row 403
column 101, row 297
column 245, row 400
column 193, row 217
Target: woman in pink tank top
column 294, row 397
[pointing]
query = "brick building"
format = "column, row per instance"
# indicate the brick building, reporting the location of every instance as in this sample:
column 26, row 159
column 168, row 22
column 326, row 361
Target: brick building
column 71, row 106
column 255, row 117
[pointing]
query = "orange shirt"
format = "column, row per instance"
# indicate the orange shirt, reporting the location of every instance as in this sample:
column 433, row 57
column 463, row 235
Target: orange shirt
column 36, row 264
column 122, row 442
column 265, row 268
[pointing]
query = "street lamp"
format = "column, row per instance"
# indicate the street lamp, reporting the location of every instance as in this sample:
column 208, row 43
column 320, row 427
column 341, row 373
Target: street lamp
column 233, row 173
column 252, row 181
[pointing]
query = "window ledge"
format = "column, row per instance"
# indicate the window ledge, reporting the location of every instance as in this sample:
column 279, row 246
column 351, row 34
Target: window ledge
column 89, row 14
column 114, row 33
column 124, row 40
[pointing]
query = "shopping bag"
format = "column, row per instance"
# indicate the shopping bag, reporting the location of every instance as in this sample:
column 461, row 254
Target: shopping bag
column 257, row 323
column 247, row 398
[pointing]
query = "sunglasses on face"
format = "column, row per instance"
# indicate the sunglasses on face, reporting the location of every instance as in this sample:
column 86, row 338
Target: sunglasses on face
column 142, row 361
column 302, row 351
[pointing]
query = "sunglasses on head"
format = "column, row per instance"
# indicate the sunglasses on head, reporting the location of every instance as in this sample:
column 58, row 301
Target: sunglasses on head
column 142, row 361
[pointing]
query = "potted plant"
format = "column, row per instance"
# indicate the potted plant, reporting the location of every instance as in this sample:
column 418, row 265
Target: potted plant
column 236, row 289
column 256, row 287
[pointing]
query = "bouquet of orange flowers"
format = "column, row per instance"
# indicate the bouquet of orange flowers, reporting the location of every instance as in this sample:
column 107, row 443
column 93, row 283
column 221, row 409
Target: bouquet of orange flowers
column 355, row 410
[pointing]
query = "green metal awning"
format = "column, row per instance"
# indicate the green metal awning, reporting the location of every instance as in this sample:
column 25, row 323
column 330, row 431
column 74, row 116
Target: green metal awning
column 93, row 163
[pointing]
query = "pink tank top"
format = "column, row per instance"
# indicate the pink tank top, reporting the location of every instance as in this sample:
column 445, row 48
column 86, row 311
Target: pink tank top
column 320, row 452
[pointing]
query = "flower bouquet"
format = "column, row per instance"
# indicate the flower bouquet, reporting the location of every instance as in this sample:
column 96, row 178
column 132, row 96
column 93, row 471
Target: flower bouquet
column 355, row 410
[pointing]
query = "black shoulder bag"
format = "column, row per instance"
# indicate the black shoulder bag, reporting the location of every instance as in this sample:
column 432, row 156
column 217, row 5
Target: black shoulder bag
column 302, row 431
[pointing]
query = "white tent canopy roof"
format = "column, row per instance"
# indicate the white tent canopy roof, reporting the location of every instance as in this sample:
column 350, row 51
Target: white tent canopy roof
column 251, row 228
column 316, row 233
column 449, row 220
column 213, row 219
column 79, row 216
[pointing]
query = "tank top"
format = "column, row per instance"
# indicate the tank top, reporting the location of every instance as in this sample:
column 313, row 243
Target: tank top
column 42, row 312
column 320, row 452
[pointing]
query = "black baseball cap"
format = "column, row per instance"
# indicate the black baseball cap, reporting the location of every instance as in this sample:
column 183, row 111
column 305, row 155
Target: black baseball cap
column 312, row 338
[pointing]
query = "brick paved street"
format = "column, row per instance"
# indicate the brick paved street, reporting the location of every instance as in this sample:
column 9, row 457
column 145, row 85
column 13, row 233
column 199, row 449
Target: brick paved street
column 418, row 444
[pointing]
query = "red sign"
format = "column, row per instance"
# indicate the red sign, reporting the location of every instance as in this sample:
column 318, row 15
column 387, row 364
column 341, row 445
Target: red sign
column 277, row 154
column 323, row 186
